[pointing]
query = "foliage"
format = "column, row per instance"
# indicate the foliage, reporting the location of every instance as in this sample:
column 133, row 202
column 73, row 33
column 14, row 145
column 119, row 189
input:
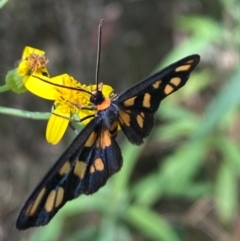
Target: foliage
column 185, row 173
column 196, row 141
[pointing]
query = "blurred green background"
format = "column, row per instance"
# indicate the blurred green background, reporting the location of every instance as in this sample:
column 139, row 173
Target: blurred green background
column 183, row 183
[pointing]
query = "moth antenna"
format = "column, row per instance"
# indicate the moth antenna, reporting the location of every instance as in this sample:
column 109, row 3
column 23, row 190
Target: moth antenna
column 63, row 86
column 98, row 52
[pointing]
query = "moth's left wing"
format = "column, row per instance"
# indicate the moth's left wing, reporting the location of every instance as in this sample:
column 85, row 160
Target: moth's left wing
column 83, row 168
column 138, row 104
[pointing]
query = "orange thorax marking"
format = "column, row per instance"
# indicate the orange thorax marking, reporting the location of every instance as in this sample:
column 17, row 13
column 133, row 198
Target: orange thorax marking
column 105, row 104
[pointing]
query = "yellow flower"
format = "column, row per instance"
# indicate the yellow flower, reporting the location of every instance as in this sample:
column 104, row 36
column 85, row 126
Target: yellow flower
column 72, row 101
column 33, row 61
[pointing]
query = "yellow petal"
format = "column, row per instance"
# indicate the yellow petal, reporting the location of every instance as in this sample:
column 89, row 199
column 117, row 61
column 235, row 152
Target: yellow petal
column 23, row 68
column 106, row 89
column 29, row 50
column 37, row 86
column 57, row 126
column 84, row 113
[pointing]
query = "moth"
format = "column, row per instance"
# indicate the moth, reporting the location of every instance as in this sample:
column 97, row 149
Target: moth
column 94, row 155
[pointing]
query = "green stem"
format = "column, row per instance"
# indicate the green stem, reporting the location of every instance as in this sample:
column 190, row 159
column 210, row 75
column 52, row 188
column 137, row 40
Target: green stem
column 4, row 88
column 25, row 114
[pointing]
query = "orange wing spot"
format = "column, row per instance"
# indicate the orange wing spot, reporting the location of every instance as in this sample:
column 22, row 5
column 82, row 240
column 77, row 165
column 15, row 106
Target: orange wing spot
column 168, row 89
column 60, row 195
column 140, row 120
column 189, row 61
column 183, row 68
column 98, row 164
column 31, row 209
column 91, row 139
column 130, row 101
column 105, row 104
column 113, row 128
column 156, row 84
column 176, row 81
column 124, row 117
column 147, row 100
column 92, row 169
column 49, row 205
column 28, row 210
column 104, row 140
column 65, row 168
column 79, row 169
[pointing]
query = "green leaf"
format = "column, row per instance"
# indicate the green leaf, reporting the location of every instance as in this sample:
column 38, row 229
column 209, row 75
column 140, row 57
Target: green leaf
column 51, row 232
column 226, row 194
column 180, row 167
column 147, row 190
column 130, row 156
column 195, row 191
column 150, row 224
column 226, row 100
column 174, row 175
column 175, row 130
column 170, row 111
column 2, row 3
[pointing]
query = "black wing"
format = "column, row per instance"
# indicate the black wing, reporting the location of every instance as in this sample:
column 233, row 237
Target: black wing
column 138, row 104
column 83, row 168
